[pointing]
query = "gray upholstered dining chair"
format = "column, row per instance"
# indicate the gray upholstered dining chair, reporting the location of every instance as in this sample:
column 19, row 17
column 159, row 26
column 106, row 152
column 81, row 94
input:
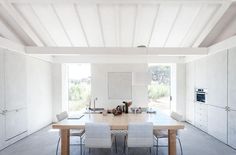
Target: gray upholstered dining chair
column 98, row 135
column 160, row 134
column 75, row 133
column 140, row 135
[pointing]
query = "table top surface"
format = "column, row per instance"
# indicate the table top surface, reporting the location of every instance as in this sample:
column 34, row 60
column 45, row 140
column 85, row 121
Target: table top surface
column 159, row 120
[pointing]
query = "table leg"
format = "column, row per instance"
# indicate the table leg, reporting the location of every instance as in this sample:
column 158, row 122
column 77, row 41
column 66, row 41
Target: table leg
column 65, row 141
column 172, row 142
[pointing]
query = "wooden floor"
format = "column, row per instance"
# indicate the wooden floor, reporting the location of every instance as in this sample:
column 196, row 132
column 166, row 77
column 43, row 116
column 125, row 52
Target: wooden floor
column 195, row 142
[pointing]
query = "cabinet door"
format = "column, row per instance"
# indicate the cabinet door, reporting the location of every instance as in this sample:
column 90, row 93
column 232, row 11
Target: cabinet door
column 217, row 79
column 190, row 82
column 232, row 97
column 16, row 123
column 232, row 79
column 2, row 127
column 232, row 128
column 190, row 112
column 15, row 80
column 217, row 123
column 201, row 73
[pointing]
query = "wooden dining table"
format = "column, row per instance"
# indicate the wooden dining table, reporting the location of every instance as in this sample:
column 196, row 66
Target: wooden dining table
column 159, row 120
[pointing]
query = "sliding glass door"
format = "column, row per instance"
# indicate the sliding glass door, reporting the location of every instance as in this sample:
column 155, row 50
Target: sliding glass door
column 159, row 91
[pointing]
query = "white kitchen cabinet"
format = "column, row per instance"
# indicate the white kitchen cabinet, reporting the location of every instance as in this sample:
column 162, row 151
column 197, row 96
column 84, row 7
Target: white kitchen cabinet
column 232, row 128
column 232, row 79
column 201, row 116
column 190, row 85
column 217, row 123
column 201, row 73
column 13, row 98
column 2, row 129
column 217, row 79
column 15, row 80
column 232, row 97
column 16, row 123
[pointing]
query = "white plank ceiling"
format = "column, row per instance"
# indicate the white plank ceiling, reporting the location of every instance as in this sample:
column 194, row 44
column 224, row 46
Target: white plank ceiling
column 115, row 24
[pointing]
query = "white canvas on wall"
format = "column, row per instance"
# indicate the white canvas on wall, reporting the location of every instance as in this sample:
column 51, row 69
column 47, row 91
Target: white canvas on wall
column 120, row 85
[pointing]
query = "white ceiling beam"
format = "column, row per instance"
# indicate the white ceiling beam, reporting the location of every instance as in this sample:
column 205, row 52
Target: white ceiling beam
column 116, row 51
column 118, row 25
column 153, row 25
column 100, row 24
column 196, row 20
column 118, row 59
column 81, row 25
column 173, row 24
column 11, row 46
column 51, row 41
column 62, row 25
column 137, row 7
column 223, row 45
column 21, row 22
column 120, row 2
column 212, row 23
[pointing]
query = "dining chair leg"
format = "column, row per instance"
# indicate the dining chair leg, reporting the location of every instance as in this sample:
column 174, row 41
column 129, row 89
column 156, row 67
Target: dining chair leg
column 157, row 147
column 181, row 149
column 115, row 144
column 124, row 145
column 80, row 145
column 59, row 139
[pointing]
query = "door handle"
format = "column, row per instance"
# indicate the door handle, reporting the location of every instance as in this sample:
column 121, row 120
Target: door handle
column 3, row 112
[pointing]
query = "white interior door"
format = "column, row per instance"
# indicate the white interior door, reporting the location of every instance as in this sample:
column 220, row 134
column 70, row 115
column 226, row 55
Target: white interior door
column 217, row 79
column 217, row 123
column 232, row 97
column 2, row 107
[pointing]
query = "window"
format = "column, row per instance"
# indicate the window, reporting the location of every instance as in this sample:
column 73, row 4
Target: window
column 79, row 86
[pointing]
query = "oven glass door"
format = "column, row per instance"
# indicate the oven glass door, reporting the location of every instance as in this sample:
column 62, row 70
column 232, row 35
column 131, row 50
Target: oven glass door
column 201, row 97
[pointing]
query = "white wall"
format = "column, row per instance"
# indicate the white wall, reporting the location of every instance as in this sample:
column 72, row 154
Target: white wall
column 60, row 90
column 180, row 89
column 99, row 84
column 39, row 93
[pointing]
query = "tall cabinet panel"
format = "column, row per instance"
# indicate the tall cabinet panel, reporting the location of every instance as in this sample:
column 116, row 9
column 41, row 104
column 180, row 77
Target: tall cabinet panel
column 217, row 95
column 217, row 123
column 15, row 80
column 217, row 79
column 232, row 97
column 1, row 99
column 190, row 78
column 201, row 73
column 15, row 96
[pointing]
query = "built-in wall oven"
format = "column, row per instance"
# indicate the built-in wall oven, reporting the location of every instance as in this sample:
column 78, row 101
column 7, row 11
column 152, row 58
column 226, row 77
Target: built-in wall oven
column 200, row 95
